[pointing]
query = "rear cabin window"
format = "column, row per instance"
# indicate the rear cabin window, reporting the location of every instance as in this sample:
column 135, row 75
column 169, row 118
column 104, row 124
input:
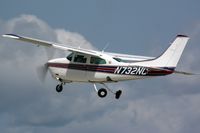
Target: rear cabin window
column 80, row 59
column 97, row 60
column 125, row 61
column 118, row 59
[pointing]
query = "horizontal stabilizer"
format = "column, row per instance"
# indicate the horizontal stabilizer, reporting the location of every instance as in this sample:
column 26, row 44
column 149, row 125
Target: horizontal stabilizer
column 186, row 73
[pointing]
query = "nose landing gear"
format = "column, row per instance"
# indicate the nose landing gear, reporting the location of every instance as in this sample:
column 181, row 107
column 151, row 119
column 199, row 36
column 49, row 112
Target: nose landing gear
column 59, row 88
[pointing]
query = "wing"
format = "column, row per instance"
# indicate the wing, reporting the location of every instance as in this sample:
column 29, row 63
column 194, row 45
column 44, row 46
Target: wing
column 51, row 44
column 121, row 57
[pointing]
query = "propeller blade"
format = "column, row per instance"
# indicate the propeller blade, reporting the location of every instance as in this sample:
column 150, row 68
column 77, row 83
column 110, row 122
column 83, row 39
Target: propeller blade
column 43, row 69
column 42, row 72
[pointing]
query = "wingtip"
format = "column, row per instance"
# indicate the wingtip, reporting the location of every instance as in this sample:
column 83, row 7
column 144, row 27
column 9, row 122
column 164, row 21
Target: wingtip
column 181, row 35
column 11, row 36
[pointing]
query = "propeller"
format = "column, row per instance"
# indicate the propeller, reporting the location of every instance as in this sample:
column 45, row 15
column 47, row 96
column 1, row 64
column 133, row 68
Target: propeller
column 42, row 72
column 50, row 52
column 43, row 69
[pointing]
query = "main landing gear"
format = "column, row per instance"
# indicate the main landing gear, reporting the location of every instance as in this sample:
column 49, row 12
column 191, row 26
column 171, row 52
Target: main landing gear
column 103, row 92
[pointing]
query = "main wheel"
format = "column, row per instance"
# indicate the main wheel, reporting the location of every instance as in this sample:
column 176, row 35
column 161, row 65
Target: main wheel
column 102, row 92
column 118, row 94
column 59, row 88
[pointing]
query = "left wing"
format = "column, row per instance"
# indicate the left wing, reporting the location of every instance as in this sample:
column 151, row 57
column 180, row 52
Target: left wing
column 51, row 44
column 129, row 58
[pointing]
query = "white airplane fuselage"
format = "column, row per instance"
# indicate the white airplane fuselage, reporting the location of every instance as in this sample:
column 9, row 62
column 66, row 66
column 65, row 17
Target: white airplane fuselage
column 81, row 72
column 112, row 71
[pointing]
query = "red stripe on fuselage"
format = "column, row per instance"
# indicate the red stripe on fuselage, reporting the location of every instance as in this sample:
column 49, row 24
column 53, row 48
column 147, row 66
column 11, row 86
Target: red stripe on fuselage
column 108, row 69
column 83, row 67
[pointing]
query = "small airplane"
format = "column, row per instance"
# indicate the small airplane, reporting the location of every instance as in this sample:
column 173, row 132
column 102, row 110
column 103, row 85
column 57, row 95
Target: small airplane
column 99, row 67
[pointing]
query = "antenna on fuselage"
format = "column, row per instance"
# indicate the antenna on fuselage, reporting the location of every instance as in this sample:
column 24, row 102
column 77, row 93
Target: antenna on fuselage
column 79, row 47
column 105, row 47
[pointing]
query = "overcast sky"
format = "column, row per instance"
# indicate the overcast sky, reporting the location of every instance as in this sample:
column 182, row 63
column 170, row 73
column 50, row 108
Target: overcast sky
column 161, row 105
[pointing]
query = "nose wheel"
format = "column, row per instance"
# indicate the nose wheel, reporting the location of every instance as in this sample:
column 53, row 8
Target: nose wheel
column 59, row 88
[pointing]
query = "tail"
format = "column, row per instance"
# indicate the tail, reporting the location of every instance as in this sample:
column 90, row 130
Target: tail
column 171, row 56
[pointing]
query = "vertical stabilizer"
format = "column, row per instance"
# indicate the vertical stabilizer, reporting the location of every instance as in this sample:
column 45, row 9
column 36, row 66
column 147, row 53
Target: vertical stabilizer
column 171, row 56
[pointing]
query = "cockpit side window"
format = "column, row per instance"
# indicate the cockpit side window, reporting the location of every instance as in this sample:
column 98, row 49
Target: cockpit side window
column 70, row 56
column 97, row 60
column 80, row 58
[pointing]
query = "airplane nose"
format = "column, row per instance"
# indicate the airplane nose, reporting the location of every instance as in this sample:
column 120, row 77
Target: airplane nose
column 50, row 62
column 57, row 67
column 53, row 61
column 52, row 66
column 59, row 62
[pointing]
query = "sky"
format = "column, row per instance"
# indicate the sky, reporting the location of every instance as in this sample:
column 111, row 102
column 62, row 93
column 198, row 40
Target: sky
column 163, row 104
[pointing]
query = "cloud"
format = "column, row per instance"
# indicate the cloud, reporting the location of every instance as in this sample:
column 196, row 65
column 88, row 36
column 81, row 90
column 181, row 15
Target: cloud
column 27, row 105
column 18, row 61
column 73, row 38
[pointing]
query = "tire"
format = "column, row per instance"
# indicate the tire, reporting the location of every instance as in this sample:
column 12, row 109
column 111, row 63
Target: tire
column 102, row 92
column 118, row 94
column 59, row 88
